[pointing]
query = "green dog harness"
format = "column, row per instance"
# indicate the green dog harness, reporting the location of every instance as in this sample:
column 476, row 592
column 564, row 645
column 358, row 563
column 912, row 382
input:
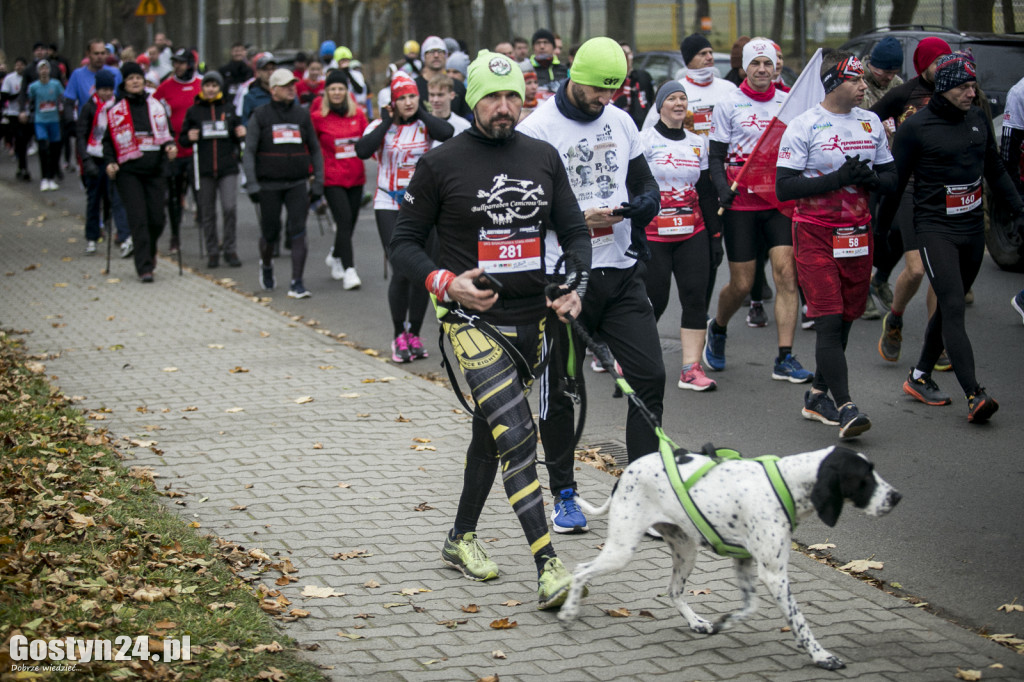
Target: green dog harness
column 682, row 490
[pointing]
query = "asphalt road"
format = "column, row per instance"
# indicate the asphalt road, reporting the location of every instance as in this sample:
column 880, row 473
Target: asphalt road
column 955, row 541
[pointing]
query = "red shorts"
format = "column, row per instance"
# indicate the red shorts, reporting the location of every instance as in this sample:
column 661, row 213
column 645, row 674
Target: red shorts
column 832, row 285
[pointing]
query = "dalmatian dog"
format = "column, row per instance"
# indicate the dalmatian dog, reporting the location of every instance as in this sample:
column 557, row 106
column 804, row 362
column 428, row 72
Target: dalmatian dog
column 737, row 498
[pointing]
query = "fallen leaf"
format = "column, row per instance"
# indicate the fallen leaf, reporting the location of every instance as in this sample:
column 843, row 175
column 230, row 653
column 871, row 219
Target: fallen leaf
column 697, row 592
column 304, row 399
column 272, row 674
column 452, row 624
column 364, row 616
column 420, row 440
column 273, row 648
column 349, row 635
column 1007, row 638
column 299, row 613
column 344, row 485
column 498, row 653
column 503, row 624
column 511, row 602
column 409, row 591
column 371, row 584
column 190, row 408
column 148, row 595
column 348, row 396
column 170, row 369
column 470, row 608
column 235, row 409
column 489, row 678
column 618, row 613
column 318, row 446
column 237, row 370
column 326, row 367
column 320, row 592
column 1011, row 607
column 80, row 520
column 971, row 675
column 822, row 546
column 215, row 345
column 423, row 448
column 861, row 565
column 239, row 507
column 401, row 419
column 423, row 506
column 354, row 554
column 645, row 614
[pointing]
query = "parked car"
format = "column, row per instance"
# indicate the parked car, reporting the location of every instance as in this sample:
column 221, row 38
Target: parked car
column 1000, row 63
column 665, row 65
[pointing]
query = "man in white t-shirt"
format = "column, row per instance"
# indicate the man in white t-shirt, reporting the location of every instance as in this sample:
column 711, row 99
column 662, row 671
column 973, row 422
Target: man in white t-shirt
column 830, row 158
column 737, row 123
column 580, row 125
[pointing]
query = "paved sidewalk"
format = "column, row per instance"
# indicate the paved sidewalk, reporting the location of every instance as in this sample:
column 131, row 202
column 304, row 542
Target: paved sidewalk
column 341, row 473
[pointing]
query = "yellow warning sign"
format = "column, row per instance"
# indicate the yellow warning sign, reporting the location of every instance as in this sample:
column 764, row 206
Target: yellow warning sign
column 150, row 8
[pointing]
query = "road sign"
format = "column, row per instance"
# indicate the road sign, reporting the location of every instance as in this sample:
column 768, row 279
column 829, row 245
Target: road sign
column 150, row 8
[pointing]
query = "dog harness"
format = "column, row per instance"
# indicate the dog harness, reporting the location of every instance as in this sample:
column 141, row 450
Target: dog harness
column 672, row 460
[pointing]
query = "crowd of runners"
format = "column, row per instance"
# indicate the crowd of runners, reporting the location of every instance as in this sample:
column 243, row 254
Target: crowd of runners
column 532, row 188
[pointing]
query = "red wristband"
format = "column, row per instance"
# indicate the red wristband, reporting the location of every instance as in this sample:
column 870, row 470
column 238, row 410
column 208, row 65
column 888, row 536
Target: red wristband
column 438, row 282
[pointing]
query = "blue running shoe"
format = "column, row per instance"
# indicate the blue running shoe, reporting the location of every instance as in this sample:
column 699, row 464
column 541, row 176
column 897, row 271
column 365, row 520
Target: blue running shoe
column 714, row 349
column 567, row 516
column 791, row 370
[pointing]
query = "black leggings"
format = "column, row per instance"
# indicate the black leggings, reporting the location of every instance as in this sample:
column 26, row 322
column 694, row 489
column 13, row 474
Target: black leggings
column 405, row 297
column 688, row 261
column 344, row 203
column 830, row 356
column 178, row 182
column 504, row 435
column 952, row 263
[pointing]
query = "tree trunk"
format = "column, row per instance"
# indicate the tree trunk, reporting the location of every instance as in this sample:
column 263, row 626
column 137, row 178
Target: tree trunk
column 1009, row 17
column 702, row 8
column 620, row 18
column 461, row 21
column 778, row 16
column 549, row 9
column 902, row 12
column 238, row 31
column 856, row 18
column 293, row 30
column 213, row 52
column 427, row 19
column 576, row 33
column 975, row 15
column 495, row 26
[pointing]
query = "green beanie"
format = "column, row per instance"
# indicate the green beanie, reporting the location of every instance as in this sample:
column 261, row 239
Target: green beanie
column 600, row 63
column 493, row 72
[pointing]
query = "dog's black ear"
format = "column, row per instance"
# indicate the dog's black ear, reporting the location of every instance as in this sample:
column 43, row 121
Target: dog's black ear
column 827, row 494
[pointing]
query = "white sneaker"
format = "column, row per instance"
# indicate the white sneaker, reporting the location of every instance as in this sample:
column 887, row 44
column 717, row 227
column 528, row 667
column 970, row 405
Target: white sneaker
column 54, row 186
column 351, row 279
column 127, row 248
column 90, row 247
column 44, row 185
column 337, row 269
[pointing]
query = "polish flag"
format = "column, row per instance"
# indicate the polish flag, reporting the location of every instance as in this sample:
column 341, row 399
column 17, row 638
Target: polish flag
column 758, row 173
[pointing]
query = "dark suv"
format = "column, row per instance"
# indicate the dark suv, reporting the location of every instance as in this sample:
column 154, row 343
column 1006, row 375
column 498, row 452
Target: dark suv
column 1000, row 62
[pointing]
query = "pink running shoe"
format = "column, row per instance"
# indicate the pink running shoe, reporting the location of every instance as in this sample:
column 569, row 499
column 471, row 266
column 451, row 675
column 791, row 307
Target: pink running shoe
column 416, row 347
column 694, row 379
column 400, row 349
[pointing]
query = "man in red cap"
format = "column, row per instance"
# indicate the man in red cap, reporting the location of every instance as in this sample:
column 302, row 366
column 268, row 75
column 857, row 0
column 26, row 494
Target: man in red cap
column 893, row 109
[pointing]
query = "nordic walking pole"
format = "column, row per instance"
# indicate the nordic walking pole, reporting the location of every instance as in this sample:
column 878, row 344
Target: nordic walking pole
column 110, row 238
column 195, row 184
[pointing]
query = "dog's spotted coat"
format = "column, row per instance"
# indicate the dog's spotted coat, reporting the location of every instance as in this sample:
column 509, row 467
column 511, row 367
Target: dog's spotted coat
column 737, row 498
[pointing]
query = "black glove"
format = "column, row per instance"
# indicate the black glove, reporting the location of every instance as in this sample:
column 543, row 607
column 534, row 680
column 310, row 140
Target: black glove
column 255, row 197
column 726, row 197
column 641, row 210
column 1015, row 236
column 717, row 250
column 638, row 244
column 90, row 169
column 850, row 171
column 314, row 197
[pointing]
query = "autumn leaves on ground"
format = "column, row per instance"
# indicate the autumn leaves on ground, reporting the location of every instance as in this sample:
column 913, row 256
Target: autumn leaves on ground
column 88, row 551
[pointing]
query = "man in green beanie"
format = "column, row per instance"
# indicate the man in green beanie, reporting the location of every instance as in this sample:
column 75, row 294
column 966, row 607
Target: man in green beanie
column 580, row 125
column 494, row 195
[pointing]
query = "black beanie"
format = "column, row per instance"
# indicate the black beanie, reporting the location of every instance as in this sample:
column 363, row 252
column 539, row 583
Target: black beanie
column 336, row 76
column 129, row 68
column 691, row 45
column 542, row 34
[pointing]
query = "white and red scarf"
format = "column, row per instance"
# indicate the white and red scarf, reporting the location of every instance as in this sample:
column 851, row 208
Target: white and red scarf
column 127, row 144
column 94, row 146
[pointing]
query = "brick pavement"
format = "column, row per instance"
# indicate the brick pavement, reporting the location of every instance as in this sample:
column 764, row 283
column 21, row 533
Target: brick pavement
column 241, row 439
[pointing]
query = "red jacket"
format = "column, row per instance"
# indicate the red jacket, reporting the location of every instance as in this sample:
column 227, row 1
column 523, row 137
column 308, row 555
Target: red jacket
column 307, row 91
column 179, row 96
column 337, row 136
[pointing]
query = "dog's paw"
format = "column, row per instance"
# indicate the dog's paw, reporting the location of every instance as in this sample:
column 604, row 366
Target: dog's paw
column 703, row 627
column 567, row 615
column 831, row 663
